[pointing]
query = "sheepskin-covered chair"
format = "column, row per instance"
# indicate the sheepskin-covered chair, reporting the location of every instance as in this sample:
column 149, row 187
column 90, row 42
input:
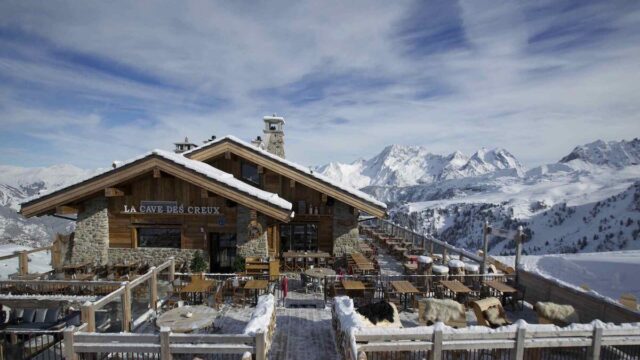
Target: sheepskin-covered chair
column 557, row 314
column 489, row 312
column 448, row 311
column 381, row 314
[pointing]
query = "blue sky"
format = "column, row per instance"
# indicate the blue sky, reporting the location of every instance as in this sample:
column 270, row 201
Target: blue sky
column 90, row 82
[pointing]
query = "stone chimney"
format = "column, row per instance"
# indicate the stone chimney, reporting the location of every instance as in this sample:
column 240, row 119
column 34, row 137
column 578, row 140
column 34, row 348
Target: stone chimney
column 184, row 146
column 274, row 135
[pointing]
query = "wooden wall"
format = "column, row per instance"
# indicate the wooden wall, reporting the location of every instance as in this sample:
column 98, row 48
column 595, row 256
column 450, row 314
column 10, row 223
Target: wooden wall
column 167, row 188
column 292, row 192
column 589, row 307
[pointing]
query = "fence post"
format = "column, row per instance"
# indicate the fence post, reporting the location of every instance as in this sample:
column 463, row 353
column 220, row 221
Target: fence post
column 261, row 346
column 154, row 289
column 362, row 355
column 485, row 247
column 69, row 351
column 126, row 308
column 23, row 263
column 88, row 315
column 436, row 350
column 594, row 351
column 172, row 269
column 518, row 351
column 165, row 348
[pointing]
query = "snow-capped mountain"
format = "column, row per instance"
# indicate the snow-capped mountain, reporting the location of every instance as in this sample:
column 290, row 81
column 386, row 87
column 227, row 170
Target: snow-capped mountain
column 588, row 201
column 18, row 184
column 617, row 154
column 401, row 166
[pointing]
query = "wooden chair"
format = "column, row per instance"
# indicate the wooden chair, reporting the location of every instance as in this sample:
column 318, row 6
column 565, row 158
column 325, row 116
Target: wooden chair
column 289, row 264
column 448, row 311
column 484, row 318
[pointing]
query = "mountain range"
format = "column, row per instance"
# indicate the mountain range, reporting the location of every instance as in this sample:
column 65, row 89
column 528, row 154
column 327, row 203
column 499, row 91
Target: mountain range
column 587, row 201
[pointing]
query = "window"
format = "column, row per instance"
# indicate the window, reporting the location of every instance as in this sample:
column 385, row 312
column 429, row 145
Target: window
column 159, row 237
column 299, row 237
column 250, row 173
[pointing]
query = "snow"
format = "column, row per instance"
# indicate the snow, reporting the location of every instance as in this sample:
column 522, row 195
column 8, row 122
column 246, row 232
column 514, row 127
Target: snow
column 39, row 262
column 607, row 274
column 303, row 169
column 201, row 168
column 439, row 269
column 455, row 263
column 262, row 315
column 424, row 259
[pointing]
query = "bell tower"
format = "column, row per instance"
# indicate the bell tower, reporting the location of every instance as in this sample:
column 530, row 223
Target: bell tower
column 274, row 135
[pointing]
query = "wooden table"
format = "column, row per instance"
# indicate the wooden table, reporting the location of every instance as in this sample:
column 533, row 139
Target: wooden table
column 362, row 263
column 352, row 285
column 73, row 268
column 457, row 288
column 319, row 273
column 176, row 319
column 198, row 286
column 122, row 268
column 502, row 288
column 405, row 288
column 256, row 285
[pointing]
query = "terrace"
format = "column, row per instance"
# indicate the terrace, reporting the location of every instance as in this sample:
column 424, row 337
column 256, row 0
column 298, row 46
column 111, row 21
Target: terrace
column 437, row 292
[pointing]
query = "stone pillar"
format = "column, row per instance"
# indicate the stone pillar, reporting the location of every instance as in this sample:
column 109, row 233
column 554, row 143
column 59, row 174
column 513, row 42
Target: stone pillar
column 345, row 229
column 91, row 240
column 246, row 247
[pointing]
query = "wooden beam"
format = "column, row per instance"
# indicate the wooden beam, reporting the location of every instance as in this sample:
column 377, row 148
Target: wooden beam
column 324, row 198
column 156, row 173
column 113, row 192
column 260, row 169
column 204, row 193
column 66, row 210
column 227, row 155
column 292, row 183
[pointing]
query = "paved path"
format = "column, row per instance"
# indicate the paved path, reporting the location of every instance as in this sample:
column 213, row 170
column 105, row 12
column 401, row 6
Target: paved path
column 303, row 334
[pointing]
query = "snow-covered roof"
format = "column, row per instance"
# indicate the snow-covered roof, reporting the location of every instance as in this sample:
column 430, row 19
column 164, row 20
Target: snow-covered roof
column 197, row 166
column 355, row 192
column 276, row 118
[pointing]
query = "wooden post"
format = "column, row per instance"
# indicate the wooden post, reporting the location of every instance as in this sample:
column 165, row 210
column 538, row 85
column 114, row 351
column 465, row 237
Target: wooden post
column 23, row 263
column 153, row 289
column 362, row 355
column 436, row 351
column 69, row 352
column 485, row 247
column 594, row 350
column 247, row 356
column 518, row 350
column 165, row 348
column 126, row 308
column 88, row 316
column 261, row 346
column 172, row 269
column 519, row 239
column 430, row 247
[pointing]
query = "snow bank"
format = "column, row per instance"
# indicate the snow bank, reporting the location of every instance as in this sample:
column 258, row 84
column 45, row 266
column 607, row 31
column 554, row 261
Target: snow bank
column 262, row 315
column 606, row 274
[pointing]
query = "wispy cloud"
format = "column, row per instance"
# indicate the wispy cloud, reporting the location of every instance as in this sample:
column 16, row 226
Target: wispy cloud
column 88, row 83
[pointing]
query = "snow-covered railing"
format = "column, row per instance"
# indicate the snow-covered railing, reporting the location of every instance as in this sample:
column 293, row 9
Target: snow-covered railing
column 520, row 340
column 254, row 342
column 23, row 259
column 427, row 242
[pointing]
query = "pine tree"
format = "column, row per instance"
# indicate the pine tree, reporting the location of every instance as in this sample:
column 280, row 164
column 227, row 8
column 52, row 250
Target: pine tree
column 197, row 263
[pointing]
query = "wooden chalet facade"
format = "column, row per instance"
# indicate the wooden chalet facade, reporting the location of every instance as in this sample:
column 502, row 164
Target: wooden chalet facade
column 227, row 198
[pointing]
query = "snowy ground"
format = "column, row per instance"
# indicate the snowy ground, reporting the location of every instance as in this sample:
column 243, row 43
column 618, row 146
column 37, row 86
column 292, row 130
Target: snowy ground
column 38, row 262
column 609, row 274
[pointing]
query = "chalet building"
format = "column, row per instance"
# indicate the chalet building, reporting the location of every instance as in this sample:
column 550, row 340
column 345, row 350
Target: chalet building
column 227, row 198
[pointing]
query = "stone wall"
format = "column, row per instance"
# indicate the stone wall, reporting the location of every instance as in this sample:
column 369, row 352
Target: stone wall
column 345, row 229
column 257, row 247
column 91, row 239
column 155, row 256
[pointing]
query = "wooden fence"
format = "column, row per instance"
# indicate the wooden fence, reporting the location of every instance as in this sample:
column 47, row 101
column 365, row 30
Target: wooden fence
column 427, row 242
column 23, row 258
column 519, row 341
column 79, row 343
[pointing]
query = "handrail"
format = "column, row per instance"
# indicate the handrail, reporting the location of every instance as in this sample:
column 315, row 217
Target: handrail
column 428, row 238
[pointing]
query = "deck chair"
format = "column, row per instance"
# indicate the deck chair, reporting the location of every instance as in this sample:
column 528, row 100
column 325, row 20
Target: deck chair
column 489, row 312
column 448, row 311
column 557, row 314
